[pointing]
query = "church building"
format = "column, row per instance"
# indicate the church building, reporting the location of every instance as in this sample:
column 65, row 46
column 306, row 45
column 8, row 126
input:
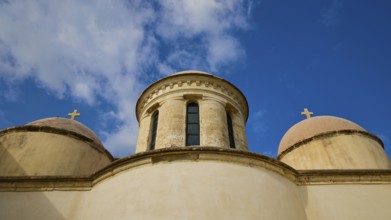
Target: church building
column 192, row 162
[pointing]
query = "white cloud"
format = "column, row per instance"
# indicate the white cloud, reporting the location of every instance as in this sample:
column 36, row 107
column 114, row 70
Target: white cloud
column 80, row 49
column 91, row 50
column 210, row 24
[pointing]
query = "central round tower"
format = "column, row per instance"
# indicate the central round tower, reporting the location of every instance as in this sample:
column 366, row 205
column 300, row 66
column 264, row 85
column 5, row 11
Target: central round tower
column 191, row 108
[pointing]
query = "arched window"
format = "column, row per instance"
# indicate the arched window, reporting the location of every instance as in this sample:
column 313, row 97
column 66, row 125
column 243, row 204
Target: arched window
column 192, row 125
column 155, row 119
column 230, row 131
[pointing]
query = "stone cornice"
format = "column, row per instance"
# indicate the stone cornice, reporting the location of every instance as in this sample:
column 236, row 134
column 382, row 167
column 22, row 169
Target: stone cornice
column 326, row 135
column 196, row 153
column 328, row 177
column 45, row 183
column 164, row 155
column 190, row 81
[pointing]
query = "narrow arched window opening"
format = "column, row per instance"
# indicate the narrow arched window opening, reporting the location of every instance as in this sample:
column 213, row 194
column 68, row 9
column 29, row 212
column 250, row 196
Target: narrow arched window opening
column 192, row 125
column 155, row 119
column 230, row 131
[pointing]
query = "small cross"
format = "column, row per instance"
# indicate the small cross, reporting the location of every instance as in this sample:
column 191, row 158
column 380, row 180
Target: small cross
column 74, row 114
column 307, row 113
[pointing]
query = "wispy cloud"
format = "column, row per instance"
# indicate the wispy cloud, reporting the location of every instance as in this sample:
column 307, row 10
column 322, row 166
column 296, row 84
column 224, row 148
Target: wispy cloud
column 3, row 120
column 330, row 15
column 257, row 124
column 100, row 50
column 10, row 93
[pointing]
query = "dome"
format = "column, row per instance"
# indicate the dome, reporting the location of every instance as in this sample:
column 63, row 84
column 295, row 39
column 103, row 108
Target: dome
column 313, row 126
column 51, row 147
column 68, row 125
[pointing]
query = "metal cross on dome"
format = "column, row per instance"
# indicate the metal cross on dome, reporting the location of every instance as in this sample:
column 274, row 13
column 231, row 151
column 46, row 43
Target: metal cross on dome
column 307, row 113
column 74, row 114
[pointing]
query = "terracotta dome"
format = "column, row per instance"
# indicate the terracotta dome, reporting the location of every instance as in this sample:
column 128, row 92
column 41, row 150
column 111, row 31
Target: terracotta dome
column 68, row 125
column 52, row 147
column 314, row 126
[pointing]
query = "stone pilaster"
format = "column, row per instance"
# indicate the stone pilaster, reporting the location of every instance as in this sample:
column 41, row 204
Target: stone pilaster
column 171, row 126
column 214, row 131
column 239, row 131
column 143, row 134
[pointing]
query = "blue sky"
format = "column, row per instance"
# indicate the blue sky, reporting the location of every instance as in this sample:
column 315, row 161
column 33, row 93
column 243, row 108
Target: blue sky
column 333, row 57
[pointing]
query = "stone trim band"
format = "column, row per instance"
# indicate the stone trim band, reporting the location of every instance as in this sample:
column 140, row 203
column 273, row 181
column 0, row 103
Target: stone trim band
column 194, row 154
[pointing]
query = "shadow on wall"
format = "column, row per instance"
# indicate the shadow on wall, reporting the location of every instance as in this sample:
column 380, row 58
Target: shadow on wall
column 24, row 205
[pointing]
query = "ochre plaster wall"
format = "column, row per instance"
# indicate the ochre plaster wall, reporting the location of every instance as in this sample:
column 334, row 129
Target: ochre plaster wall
column 46, row 205
column 338, row 152
column 195, row 190
column 348, row 201
column 201, row 184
